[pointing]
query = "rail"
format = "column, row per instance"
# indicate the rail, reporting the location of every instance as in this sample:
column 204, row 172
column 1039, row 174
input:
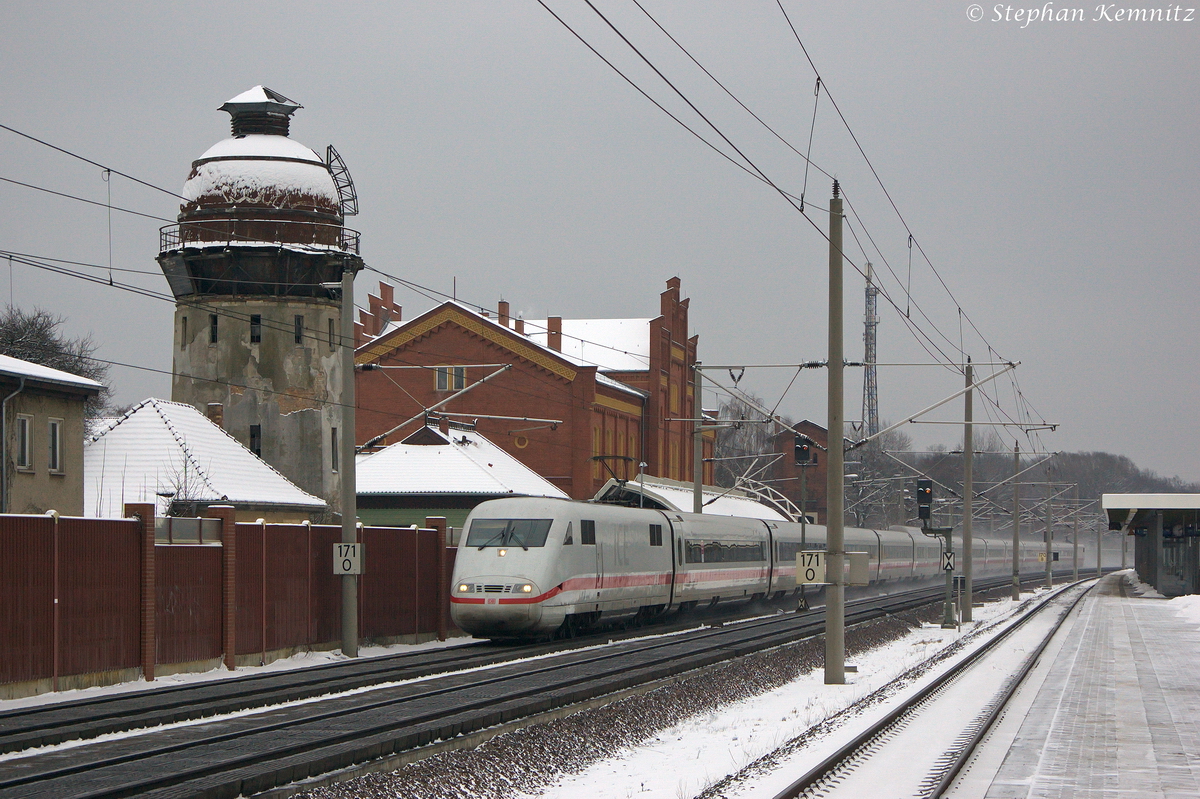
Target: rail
column 951, row 766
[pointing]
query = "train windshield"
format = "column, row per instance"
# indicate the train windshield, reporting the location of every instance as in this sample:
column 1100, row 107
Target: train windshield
column 523, row 533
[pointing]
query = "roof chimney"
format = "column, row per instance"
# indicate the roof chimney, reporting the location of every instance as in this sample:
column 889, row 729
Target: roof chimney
column 216, row 414
column 503, row 312
column 519, row 326
column 260, row 110
column 554, row 333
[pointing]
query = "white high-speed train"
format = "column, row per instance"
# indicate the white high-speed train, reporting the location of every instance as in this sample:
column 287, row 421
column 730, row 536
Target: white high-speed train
column 534, row 566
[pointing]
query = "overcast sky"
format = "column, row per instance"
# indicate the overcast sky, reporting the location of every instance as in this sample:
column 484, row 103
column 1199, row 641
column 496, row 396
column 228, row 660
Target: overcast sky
column 1049, row 170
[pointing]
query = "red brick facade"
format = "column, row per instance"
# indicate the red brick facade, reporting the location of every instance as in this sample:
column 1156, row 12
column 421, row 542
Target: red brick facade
column 590, row 417
column 787, row 473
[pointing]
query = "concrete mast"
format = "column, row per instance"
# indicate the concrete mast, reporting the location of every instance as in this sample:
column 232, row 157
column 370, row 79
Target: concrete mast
column 835, row 598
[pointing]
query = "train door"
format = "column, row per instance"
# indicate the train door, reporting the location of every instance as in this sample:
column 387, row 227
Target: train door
column 589, row 539
column 772, row 560
column 676, row 552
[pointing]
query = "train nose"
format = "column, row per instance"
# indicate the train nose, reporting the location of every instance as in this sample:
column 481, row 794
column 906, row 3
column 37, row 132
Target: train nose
column 495, row 606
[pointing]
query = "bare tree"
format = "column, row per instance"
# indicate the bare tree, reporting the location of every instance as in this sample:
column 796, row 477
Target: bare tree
column 748, row 436
column 35, row 336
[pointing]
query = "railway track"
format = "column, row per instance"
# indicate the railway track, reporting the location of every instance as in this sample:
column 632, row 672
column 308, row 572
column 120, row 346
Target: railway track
column 243, row 736
column 918, row 748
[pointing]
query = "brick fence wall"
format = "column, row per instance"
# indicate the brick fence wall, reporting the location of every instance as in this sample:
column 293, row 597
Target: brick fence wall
column 88, row 601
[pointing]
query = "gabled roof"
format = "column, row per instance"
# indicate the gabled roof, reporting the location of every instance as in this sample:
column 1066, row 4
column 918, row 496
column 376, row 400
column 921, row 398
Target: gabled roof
column 17, row 368
column 458, row 462
column 530, row 346
column 469, row 319
column 162, row 447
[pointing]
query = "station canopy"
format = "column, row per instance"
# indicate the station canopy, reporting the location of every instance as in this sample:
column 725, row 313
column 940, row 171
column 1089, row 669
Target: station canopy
column 1131, row 511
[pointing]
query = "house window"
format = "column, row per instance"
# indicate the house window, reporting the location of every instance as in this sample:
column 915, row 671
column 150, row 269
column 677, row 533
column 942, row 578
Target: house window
column 333, row 447
column 212, row 328
column 451, row 378
column 587, row 532
column 183, row 333
column 24, row 443
column 54, row 439
column 255, row 328
column 298, row 328
column 256, row 439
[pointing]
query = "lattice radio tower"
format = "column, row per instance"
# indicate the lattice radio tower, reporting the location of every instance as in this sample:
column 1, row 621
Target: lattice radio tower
column 870, row 409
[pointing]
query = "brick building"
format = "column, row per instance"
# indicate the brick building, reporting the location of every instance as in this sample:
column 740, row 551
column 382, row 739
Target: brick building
column 582, row 396
column 785, row 474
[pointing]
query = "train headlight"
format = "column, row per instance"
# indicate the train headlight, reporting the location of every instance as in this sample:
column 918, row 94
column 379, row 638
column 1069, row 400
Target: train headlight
column 501, row 552
column 527, row 589
column 464, row 588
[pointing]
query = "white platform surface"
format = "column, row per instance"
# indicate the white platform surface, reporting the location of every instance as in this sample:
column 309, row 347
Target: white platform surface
column 1112, row 709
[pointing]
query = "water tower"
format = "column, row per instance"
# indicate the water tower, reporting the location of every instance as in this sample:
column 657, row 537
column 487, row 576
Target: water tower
column 253, row 265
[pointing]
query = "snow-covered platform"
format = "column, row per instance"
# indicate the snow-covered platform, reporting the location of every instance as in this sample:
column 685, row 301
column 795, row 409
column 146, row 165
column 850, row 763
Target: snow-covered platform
column 1112, row 709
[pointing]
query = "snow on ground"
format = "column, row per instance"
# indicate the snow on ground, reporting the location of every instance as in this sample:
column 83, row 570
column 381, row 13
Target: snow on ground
column 301, row 660
column 685, row 759
column 1143, row 589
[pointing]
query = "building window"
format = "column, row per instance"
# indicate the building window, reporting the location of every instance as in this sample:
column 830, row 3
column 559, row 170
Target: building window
column 212, row 328
column 298, row 328
column 256, row 439
column 24, row 442
column 183, row 333
column 451, row 378
column 255, row 328
column 332, row 333
column 587, row 531
column 333, row 448
column 54, row 440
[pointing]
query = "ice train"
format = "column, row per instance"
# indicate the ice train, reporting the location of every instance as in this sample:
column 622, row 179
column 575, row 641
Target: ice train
column 535, row 567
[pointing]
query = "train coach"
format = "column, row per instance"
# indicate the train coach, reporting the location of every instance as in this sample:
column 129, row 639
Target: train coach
column 531, row 567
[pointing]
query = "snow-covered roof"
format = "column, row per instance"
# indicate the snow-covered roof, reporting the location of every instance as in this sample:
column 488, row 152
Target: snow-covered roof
column 465, row 463
column 1150, row 501
column 679, row 498
column 15, row 367
column 261, row 145
column 261, row 95
column 250, row 170
column 614, row 345
column 537, row 340
column 162, row 447
column 605, row 380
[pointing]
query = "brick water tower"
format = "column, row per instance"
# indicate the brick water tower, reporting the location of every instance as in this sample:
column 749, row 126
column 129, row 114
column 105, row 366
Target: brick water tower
column 255, row 264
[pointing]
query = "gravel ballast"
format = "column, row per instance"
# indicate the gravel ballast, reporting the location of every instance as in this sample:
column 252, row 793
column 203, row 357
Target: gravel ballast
column 528, row 759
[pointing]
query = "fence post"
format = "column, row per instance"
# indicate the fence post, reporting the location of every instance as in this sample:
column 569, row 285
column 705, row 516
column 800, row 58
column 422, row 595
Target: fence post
column 144, row 513
column 439, row 523
column 56, row 623
column 228, row 581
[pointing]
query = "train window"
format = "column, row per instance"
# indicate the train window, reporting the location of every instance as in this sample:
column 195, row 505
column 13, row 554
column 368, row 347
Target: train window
column 587, row 531
column 725, row 551
column 523, row 533
column 656, row 535
column 567, row 541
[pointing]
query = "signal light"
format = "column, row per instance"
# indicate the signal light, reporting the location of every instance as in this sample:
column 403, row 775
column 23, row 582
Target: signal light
column 924, row 498
column 803, row 450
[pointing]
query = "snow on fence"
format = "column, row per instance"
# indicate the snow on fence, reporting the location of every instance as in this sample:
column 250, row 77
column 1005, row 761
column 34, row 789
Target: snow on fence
column 96, row 601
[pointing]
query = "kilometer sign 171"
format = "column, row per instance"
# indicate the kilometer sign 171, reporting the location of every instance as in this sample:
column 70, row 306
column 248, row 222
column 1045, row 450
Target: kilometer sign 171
column 810, row 568
column 347, row 558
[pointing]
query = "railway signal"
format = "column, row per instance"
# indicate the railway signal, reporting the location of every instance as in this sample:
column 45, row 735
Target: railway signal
column 803, row 450
column 924, row 498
